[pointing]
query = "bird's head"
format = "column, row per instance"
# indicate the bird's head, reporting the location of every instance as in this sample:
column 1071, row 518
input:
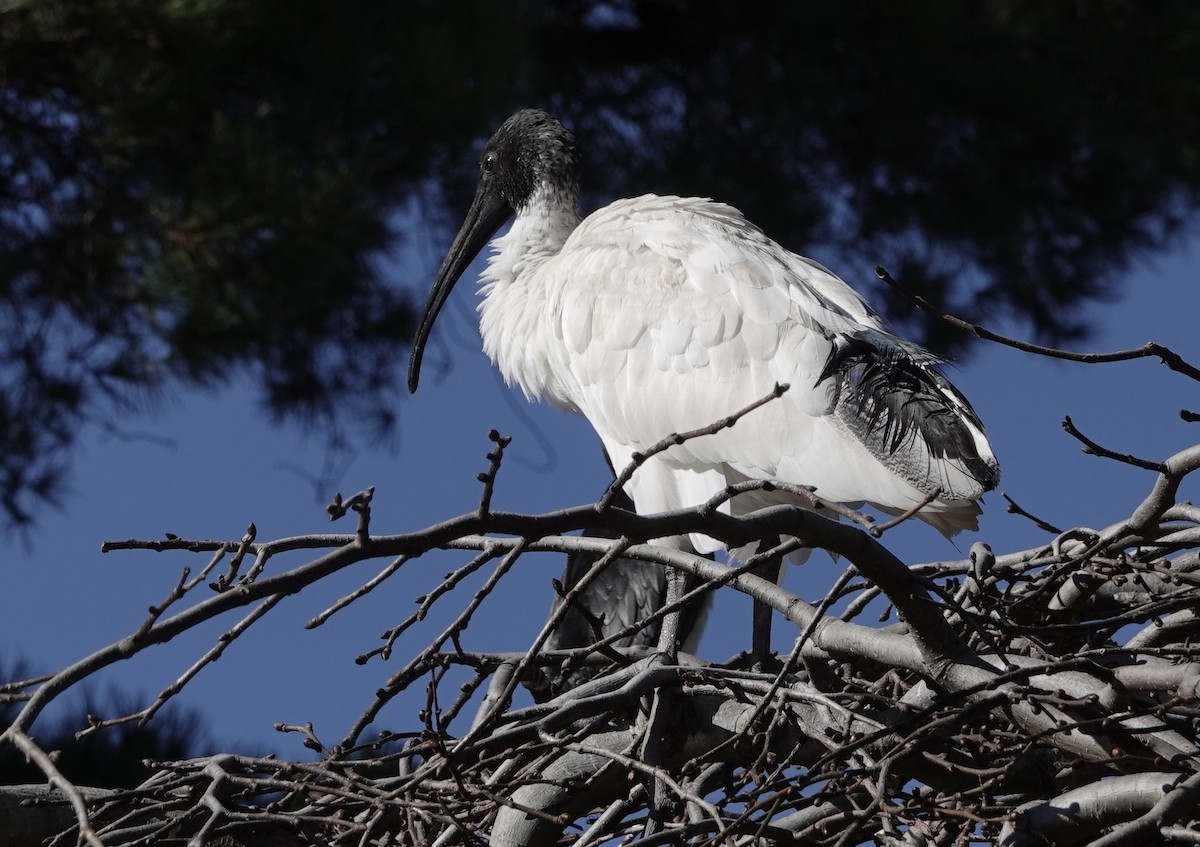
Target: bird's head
column 531, row 155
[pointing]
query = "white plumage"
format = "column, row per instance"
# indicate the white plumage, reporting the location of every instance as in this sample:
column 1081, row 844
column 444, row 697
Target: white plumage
column 657, row 315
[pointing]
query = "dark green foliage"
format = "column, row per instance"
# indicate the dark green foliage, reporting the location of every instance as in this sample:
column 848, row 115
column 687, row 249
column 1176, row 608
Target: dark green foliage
column 194, row 189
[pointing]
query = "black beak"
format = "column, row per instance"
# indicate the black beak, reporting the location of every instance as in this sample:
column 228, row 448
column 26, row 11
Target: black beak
column 488, row 211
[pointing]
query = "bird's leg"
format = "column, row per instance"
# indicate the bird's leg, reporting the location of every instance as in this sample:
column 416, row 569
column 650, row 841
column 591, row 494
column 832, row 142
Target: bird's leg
column 662, row 801
column 760, row 644
column 662, row 703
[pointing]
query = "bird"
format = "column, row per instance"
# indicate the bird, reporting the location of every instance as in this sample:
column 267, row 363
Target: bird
column 657, row 315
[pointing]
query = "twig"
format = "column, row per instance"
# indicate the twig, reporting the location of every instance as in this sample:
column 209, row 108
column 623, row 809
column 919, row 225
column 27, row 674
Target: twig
column 235, row 562
column 465, row 693
column 1092, row 448
column 488, row 477
column 170, row 542
column 1167, row 356
column 359, row 503
column 182, row 587
column 40, row 758
column 878, row 531
column 425, row 602
column 1180, row 833
column 226, row 638
column 1015, row 509
column 310, row 736
column 806, row 494
column 659, row 774
column 399, row 680
column 601, row 827
column 527, row 661
column 678, row 438
column 361, row 591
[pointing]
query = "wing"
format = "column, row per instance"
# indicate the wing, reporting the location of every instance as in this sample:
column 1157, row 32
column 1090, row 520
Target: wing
column 703, row 315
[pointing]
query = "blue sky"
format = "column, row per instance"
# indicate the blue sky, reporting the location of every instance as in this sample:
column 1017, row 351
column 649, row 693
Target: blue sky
column 212, row 463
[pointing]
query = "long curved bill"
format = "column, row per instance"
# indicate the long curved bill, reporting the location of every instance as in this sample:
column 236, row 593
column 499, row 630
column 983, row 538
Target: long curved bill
column 488, row 211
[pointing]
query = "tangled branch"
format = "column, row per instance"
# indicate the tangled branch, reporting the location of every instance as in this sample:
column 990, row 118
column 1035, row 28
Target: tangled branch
column 1049, row 690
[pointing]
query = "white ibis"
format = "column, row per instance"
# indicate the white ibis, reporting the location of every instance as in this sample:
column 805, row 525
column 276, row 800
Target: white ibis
column 657, row 315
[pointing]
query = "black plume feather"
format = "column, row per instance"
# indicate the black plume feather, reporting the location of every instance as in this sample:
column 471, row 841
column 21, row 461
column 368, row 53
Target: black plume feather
column 889, row 392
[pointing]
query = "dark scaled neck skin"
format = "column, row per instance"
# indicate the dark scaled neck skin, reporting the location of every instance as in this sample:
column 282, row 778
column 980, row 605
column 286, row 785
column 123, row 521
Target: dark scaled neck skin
column 891, row 397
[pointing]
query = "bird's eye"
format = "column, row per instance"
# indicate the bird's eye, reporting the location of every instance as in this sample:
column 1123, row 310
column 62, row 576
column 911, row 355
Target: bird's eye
column 489, row 162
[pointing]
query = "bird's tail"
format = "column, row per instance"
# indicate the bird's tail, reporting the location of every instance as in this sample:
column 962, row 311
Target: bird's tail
column 890, row 395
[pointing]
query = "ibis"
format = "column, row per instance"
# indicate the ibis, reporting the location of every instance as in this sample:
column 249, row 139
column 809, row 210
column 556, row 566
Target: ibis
column 659, row 314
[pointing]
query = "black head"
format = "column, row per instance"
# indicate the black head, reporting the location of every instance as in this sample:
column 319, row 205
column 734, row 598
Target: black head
column 530, row 152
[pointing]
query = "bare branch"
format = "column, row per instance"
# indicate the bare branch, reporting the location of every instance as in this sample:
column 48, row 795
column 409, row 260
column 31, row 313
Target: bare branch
column 1168, row 357
column 1014, row 508
column 1020, row 693
column 39, row 756
column 1094, row 449
column 488, row 477
column 676, row 439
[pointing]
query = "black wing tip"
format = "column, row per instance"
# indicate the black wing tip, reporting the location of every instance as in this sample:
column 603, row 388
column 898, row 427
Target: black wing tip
column 893, row 398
